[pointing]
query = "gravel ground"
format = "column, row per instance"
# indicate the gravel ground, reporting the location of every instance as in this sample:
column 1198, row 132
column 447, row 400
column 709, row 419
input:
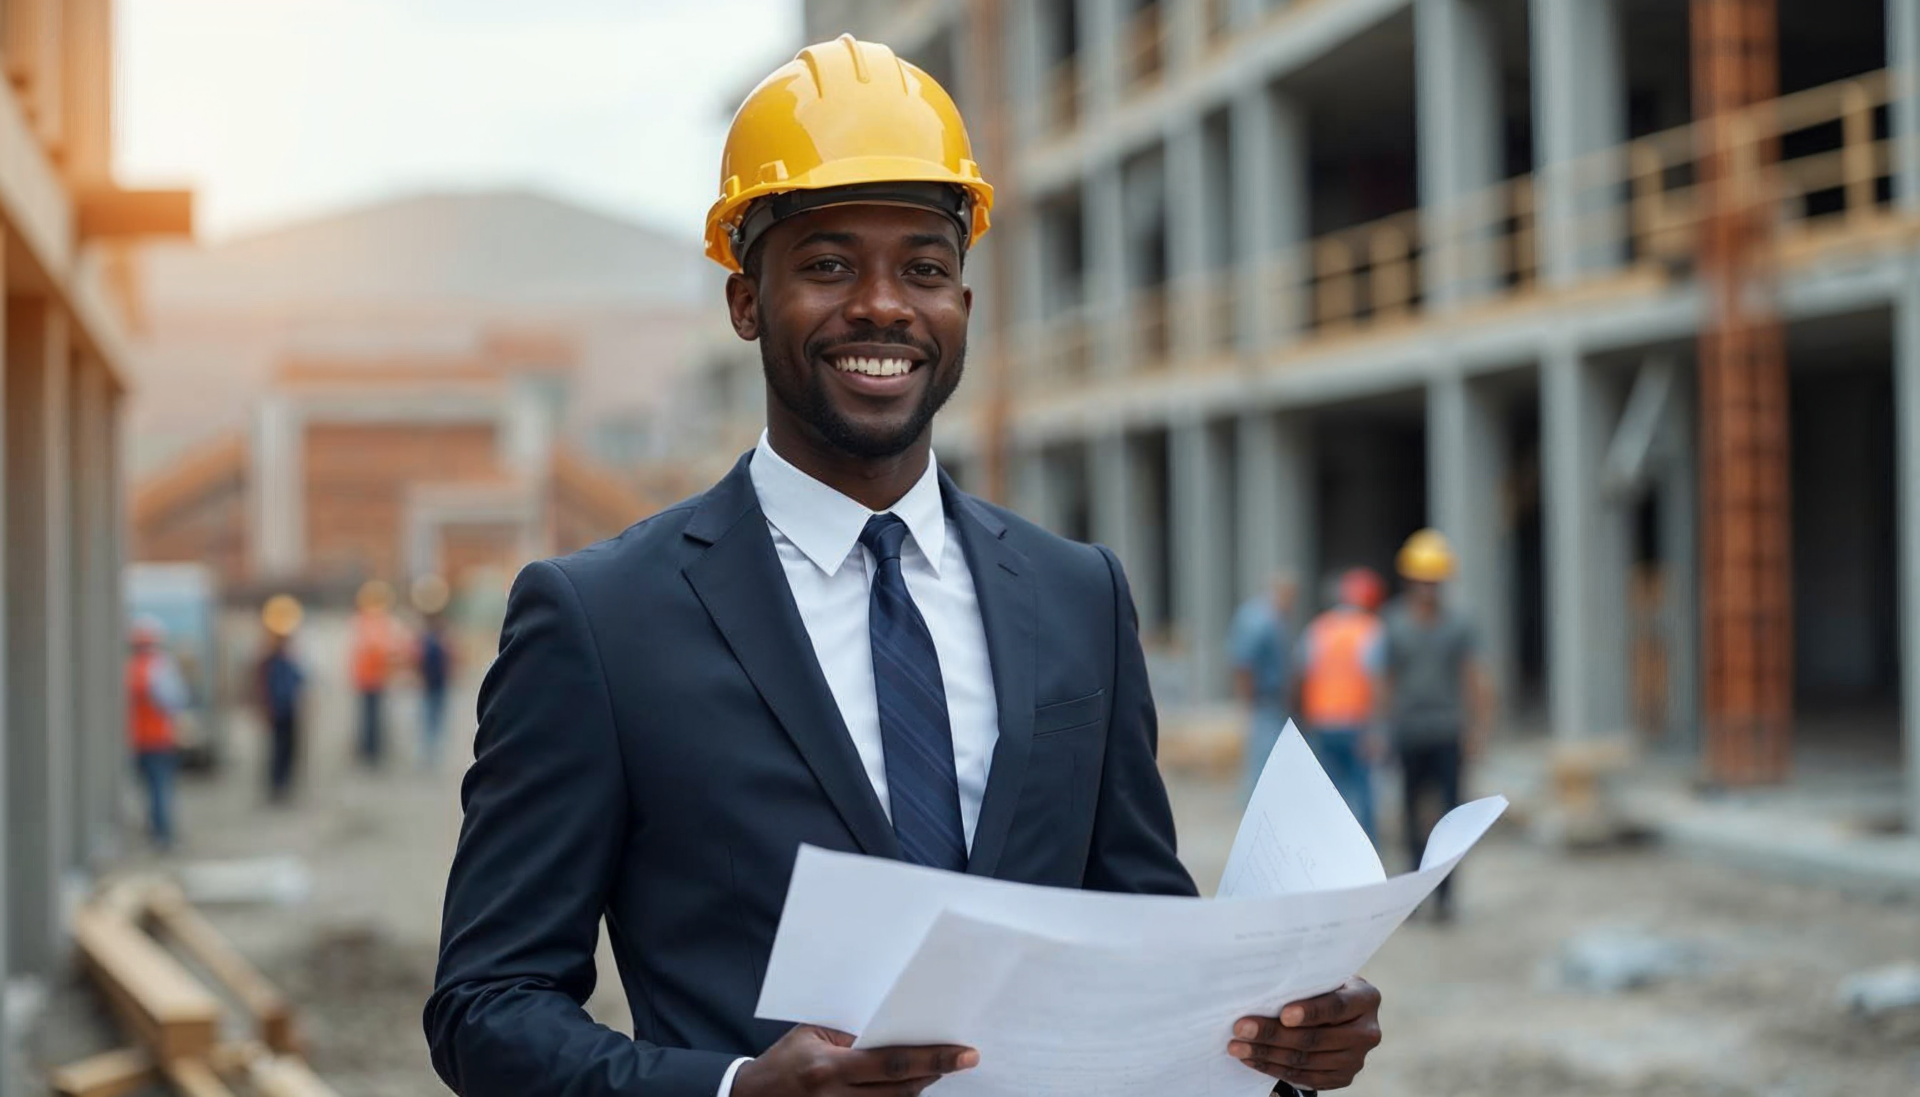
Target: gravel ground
column 1470, row 1009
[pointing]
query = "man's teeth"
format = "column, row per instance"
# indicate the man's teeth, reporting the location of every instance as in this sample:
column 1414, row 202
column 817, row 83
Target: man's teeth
column 873, row 367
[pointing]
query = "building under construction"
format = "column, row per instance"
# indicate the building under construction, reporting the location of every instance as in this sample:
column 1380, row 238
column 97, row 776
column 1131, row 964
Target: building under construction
column 1623, row 295
column 63, row 754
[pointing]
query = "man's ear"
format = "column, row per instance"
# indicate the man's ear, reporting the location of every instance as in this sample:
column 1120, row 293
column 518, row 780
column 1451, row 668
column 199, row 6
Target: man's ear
column 966, row 298
column 743, row 298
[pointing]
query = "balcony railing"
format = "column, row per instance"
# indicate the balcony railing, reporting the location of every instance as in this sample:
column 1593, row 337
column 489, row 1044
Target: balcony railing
column 1821, row 173
column 1144, row 50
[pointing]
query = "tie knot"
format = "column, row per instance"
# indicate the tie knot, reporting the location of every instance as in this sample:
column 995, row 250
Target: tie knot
column 884, row 535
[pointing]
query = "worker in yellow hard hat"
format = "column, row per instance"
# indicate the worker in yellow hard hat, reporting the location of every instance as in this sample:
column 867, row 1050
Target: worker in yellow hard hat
column 1437, row 698
column 833, row 645
column 433, row 660
column 279, row 684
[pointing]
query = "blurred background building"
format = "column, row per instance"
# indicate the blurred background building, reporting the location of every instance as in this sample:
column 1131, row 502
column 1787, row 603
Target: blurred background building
column 1284, row 280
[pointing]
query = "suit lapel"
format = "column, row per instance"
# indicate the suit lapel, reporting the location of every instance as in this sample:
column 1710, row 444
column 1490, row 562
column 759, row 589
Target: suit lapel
column 739, row 581
column 1003, row 582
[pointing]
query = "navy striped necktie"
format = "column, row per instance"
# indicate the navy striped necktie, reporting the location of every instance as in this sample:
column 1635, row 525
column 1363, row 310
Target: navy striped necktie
column 914, row 732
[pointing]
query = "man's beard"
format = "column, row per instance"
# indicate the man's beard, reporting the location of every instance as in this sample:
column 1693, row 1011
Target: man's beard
column 804, row 393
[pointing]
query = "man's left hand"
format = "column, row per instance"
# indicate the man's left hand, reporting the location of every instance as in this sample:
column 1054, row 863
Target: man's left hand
column 1318, row 1044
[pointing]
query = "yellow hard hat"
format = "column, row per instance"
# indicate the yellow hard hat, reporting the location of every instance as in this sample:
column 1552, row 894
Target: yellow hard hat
column 374, row 594
column 1426, row 557
column 843, row 114
column 282, row 614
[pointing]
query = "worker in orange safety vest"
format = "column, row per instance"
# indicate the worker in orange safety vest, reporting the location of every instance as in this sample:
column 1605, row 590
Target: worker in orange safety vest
column 156, row 695
column 1340, row 658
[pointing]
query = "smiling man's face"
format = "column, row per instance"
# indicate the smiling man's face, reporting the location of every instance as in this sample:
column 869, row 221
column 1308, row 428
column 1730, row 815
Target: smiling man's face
column 861, row 318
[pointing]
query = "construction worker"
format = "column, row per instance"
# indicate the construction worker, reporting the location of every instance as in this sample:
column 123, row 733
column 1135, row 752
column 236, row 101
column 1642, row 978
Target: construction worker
column 1340, row 656
column 1260, row 643
column 156, row 695
column 434, row 660
column 279, row 681
column 1438, row 702
column 835, row 644
column 377, row 646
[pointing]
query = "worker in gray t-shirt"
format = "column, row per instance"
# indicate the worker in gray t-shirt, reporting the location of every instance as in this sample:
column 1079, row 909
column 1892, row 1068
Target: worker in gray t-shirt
column 1435, row 696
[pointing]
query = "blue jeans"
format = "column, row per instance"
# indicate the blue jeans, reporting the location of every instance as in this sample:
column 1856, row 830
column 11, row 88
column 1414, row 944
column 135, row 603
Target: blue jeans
column 156, row 772
column 372, row 737
column 1341, row 753
column 433, row 722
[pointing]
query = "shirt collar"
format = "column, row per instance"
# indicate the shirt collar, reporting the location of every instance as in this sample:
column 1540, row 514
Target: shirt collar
column 825, row 525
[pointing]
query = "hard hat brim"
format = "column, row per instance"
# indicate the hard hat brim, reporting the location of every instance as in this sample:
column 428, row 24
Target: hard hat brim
column 724, row 218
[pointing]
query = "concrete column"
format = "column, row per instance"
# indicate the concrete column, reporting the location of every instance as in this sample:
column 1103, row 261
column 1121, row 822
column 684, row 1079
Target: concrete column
column 1035, row 492
column 1679, row 505
column 1275, row 482
column 1186, row 23
column 1586, row 551
column 1461, row 118
column 1579, row 108
column 1111, row 498
column 8, row 531
column 1106, row 236
column 1903, row 58
column 1270, row 207
column 99, row 740
column 1186, row 203
column 1099, row 61
column 1201, row 500
column 39, row 642
column 1906, row 383
column 1022, row 44
column 1465, row 473
column 278, row 494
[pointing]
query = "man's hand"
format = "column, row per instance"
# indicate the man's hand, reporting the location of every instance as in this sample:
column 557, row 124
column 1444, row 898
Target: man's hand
column 1319, row 1044
column 810, row 1061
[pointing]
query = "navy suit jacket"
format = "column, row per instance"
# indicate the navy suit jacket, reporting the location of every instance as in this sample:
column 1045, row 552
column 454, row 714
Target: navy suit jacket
column 656, row 740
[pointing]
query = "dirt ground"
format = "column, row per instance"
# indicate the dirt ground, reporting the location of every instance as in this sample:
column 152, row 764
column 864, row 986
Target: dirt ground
column 1470, row 1009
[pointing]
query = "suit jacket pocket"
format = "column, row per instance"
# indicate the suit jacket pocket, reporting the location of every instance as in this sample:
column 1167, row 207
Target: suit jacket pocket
column 1068, row 715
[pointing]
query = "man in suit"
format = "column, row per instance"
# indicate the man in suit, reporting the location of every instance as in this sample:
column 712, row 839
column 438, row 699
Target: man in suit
column 834, row 645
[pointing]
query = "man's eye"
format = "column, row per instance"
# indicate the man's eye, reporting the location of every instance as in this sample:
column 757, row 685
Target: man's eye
column 829, row 266
column 927, row 270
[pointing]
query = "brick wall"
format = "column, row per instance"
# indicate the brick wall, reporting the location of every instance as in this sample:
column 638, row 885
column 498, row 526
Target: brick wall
column 357, row 477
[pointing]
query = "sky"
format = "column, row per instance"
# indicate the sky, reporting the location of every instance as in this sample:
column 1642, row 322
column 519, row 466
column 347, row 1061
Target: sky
column 276, row 110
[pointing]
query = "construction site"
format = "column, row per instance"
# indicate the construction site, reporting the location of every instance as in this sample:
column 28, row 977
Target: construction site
column 1622, row 296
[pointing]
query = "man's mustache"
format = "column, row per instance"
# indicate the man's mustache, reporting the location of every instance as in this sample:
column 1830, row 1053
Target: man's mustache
column 820, row 348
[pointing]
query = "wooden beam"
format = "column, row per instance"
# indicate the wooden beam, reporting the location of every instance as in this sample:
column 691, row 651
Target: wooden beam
column 173, row 1015
column 109, row 1074
column 174, row 917
column 194, row 1078
column 110, row 212
column 287, row 1076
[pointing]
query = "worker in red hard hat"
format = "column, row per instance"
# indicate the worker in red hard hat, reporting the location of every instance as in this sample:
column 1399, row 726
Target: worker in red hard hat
column 1340, row 659
column 156, row 695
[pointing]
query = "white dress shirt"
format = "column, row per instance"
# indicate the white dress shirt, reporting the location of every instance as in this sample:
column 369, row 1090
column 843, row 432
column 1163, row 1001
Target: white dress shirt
column 816, row 534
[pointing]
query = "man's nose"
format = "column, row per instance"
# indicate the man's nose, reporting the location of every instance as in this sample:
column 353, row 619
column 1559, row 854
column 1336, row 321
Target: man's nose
column 879, row 299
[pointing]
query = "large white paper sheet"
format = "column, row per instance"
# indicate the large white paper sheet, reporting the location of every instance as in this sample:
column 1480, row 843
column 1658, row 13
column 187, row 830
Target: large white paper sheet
column 1067, row 991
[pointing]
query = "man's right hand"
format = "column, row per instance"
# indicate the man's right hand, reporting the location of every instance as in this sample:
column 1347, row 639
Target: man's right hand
column 810, row 1061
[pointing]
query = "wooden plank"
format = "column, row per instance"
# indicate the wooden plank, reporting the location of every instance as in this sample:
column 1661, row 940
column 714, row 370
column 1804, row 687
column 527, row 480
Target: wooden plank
column 194, row 1078
column 108, row 1074
column 112, row 213
column 171, row 1012
column 287, row 1076
column 180, row 922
